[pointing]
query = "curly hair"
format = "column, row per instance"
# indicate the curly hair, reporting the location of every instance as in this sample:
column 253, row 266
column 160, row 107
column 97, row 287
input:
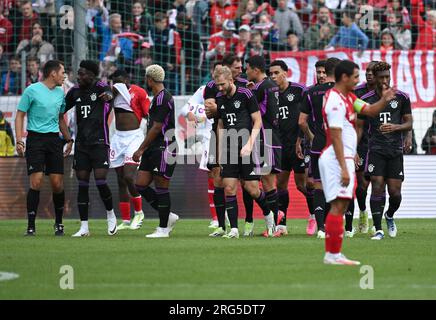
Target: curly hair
column 380, row 66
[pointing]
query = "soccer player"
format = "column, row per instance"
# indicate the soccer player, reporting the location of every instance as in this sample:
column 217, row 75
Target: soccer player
column 239, row 115
column 362, row 150
column 131, row 104
column 158, row 161
column 312, row 124
column 43, row 103
column 91, row 99
column 303, row 152
column 266, row 92
column 234, row 63
column 290, row 98
column 385, row 158
column 336, row 162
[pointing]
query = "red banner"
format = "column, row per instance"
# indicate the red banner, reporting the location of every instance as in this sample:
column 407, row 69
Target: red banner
column 412, row 71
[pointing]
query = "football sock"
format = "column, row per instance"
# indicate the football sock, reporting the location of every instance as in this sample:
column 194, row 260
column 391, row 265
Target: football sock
column 210, row 192
column 58, row 202
column 220, row 206
column 334, row 230
column 83, row 200
column 137, row 203
column 248, row 204
column 125, row 211
column 283, row 203
column 164, row 206
column 232, row 210
column 32, row 207
column 377, row 203
column 349, row 214
column 394, row 204
column 105, row 193
column 271, row 200
column 319, row 206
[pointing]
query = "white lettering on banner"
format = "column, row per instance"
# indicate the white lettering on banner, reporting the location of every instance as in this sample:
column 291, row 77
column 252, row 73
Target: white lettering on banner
column 311, row 70
column 404, row 77
column 294, row 67
column 362, row 61
column 426, row 94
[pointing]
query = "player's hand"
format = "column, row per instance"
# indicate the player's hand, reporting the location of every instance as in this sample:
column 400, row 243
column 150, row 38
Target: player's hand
column 210, row 108
column 21, row 148
column 137, row 155
column 246, row 150
column 388, row 93
column 356, row 161
column 345, row 178
column 250, row 85
column 388, row 128
column 407, row 145
column 68, row 148
column 299, row 151
column 106, row 96
column 192, row 120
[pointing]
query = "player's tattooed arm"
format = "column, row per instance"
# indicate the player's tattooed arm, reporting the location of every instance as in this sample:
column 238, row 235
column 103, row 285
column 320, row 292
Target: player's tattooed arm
column 302, row 123
column 152, row 134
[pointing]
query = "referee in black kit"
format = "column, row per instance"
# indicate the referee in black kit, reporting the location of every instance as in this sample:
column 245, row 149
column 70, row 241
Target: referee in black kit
column 44, row 104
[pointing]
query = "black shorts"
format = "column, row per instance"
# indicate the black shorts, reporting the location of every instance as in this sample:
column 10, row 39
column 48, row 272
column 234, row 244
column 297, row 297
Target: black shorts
column 247, row 168
column 314, row 167
column 306, row 152
column 388, row 164
column 270, row 157
column 290, row 161
column 159, row 161
column 44, row 153
column 363, row 154
column 87, row 158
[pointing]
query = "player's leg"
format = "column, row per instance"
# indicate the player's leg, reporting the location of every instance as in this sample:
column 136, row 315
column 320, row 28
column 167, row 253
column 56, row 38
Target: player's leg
column 129, row 174
column 283, row 199
column 395, row 177
column 54, row 167
column 376, row 168
column 144, row 178
column 219, row 201
column 361, row 191
column 100, row 176
column 310, row 192
column 349, row 215
column 230, row 190
column 82, row 176
column 124, row 204
column 300, row 179
column 210, row 196
column 319, row 202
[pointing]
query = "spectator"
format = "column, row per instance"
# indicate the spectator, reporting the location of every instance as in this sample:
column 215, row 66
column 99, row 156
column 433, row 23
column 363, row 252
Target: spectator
column 11, row 79
column 165, row 52
column 26, row 21
column 387, row 41
column 64, row 42
column 349, row 35
column 95, row 7
column 145, row 60
column 140, row 22
column 180, row 6
column 113, row 47
column 286, row 20
column 244, row 39
column 69, row 79
column 402, row 36
column 426, row 28
column 199, row 17
column 33, row 72
column 394, row 6
column 336, row 4
column 256, row 47
column 293, row 41
column 270, row 33
column 222, row 42
column 193, row 49
column 319, row 34
column 36, row 46
column 374, row 35
column 7, row 141
column 246, row 12
column 6, row 30
column 4, row 62
column 220, row 11
column 429, row 141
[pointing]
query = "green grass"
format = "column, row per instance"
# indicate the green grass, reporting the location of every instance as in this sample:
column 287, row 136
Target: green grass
column 190, row 265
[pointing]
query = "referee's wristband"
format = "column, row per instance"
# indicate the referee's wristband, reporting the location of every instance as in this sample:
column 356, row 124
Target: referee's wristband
column 69, row 140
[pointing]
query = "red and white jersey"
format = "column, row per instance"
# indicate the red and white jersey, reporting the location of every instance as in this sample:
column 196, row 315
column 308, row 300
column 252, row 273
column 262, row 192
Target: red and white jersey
column 135, row 99
column 338, row 112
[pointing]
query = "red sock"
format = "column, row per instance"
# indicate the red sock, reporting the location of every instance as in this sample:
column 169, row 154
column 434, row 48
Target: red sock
column 137, row 203
column 334, row 232
column 125, row 211
column 211, row 190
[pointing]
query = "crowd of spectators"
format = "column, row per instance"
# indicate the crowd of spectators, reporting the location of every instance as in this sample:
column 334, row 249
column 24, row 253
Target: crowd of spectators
column 195, row 33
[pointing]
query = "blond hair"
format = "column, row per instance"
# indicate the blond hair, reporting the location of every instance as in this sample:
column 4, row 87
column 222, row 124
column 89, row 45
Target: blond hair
column 222, row 71
column 155, row 72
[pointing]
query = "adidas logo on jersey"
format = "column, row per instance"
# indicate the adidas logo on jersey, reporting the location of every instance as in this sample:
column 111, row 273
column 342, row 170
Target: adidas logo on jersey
column 252, row 173
column 155, row 170
column 105, row 163
column 401, row 173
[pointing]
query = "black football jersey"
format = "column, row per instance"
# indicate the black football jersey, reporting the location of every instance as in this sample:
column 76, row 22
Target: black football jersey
column 162, row 111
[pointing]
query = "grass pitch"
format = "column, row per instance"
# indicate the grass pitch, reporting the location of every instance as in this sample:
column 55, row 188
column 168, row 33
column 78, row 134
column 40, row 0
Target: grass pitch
column 190, row 265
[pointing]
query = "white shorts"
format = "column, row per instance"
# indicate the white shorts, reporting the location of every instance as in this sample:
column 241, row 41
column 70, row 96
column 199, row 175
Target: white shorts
column 123, row 145
column 330, row 172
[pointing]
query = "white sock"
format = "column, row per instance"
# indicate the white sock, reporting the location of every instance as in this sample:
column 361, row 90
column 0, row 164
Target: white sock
column 110, row 214
column 84, row 225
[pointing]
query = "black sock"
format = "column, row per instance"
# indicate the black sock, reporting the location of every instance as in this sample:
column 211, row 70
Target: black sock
column 83, row 200
column 58, row 202
column 283, row 202
column 272, row 200
column 361, row 194
column 164, row 206
column 149, row 195
column 261, row 201
column 309, row 199
column 319, row 210
column 349, row 214
column 232, row 210
column 377, row 203
column 32, row 207
column 105, row 194
column 394, row 204
column 220, row 206
column 248, row 204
